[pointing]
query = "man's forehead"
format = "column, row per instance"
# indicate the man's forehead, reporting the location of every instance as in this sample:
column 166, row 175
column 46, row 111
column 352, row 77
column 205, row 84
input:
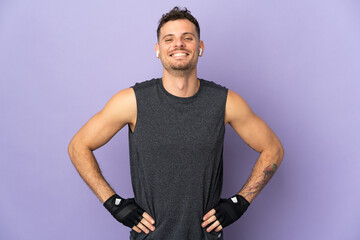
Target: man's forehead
column 175, row 27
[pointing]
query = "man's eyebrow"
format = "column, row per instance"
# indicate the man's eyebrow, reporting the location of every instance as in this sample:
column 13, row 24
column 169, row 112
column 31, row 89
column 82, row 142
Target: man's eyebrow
column 170, row 34
column 167, row 35
column 188, row 33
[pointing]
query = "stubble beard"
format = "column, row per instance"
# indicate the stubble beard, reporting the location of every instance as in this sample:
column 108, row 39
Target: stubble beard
column 180, row 69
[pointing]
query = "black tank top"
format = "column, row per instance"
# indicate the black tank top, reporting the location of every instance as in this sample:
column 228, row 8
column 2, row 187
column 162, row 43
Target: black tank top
column 176, row 158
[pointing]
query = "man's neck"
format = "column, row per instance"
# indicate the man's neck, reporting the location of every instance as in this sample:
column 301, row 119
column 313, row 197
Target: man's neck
column 181, row 85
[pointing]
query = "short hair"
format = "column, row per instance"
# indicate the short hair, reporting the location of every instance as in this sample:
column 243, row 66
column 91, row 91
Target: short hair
column 175, row 14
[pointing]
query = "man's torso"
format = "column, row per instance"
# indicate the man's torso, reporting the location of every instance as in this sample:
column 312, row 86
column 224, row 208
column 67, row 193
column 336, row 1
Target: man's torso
column 176, row 157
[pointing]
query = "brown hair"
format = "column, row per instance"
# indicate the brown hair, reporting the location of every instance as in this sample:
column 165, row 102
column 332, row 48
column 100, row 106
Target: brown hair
column 175, row 14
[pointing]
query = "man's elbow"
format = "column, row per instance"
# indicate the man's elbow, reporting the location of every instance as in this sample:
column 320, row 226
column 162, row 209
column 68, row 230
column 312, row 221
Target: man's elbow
column 73, row 148
column 276, row 152
column 279, row 153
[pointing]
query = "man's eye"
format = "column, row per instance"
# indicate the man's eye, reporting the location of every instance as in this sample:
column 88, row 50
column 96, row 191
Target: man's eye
column 168, row 40
column 188, row 38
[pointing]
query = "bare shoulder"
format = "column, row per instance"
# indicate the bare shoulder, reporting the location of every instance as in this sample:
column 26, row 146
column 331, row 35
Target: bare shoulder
column 122, row 106
column 100, row 128
column 237, row 109
column 250, row 127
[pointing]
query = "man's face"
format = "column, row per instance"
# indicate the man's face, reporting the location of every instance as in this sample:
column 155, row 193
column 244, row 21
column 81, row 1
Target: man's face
column 179, row 45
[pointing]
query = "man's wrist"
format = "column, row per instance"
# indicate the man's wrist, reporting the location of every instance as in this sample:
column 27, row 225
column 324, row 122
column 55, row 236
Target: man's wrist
column 113, row 203
column 239, row 196
column 247, row 198
column 106, row 194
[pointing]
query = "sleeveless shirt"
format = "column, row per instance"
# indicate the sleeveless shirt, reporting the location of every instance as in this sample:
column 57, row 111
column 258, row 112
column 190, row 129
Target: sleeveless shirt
column 176, row 158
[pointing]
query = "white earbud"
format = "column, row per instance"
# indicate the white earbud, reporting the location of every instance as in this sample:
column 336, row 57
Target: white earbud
column 200, row 51
column 157, row 53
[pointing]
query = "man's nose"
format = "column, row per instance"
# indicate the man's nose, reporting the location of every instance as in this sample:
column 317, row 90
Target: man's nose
column 179, row 43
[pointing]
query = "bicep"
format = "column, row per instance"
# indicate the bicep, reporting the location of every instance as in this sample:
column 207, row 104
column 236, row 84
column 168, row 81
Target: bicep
column 99, row 129
column 250, row 127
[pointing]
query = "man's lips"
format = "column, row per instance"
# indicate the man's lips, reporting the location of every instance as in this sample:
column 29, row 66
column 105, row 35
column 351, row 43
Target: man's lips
column 179, row 54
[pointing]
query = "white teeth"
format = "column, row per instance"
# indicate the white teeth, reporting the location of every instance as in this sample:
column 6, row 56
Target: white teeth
column 179, row 54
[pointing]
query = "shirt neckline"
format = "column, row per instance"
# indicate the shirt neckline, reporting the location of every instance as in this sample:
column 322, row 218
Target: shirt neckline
column 176, row 98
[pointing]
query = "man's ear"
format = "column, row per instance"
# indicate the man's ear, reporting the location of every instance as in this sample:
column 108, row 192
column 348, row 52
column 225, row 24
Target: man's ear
column 202, row 46
column 157, row 51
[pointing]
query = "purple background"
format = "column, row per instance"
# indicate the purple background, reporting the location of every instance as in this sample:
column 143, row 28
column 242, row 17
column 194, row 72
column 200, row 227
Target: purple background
column 297, row 64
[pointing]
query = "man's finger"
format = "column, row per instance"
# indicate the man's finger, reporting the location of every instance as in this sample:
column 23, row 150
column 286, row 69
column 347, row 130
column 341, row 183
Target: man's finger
column 209, row 214
column 143, row 228
column 218, row 229
column 136, row 229
column 147, row 224
column 210, row 220
column 148, row 218
column 214, row 225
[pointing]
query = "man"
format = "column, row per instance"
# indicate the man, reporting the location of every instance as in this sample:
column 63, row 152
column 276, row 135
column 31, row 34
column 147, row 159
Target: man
column 176, row 130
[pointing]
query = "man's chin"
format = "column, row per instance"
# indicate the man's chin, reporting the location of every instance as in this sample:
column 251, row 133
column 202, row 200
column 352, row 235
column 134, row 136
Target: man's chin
column 181, row 67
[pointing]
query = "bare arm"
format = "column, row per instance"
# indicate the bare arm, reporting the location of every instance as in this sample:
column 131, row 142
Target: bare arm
column 256, row 133
column 119, row 111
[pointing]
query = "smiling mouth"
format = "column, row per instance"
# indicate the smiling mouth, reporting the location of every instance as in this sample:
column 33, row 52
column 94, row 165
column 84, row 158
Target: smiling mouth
column 179, row 54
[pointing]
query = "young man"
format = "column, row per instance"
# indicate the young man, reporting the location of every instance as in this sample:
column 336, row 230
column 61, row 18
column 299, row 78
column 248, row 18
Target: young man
column 176, row 131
